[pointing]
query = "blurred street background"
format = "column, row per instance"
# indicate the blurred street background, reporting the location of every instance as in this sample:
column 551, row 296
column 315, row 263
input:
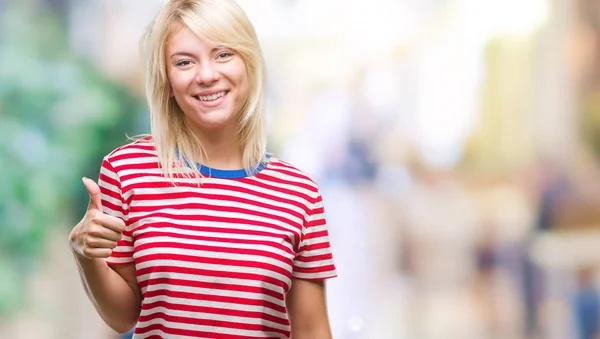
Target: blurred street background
column 456, row 144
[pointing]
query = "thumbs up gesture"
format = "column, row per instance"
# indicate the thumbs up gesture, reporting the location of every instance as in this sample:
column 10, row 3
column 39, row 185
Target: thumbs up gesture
column 97, row 233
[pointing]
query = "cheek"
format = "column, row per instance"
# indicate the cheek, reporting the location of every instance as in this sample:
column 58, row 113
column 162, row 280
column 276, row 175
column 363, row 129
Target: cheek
column 179, row 84
column 243, row 85
column 240, row 73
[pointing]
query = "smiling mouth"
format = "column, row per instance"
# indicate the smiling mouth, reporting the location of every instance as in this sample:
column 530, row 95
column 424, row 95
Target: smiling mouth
column 212, row 97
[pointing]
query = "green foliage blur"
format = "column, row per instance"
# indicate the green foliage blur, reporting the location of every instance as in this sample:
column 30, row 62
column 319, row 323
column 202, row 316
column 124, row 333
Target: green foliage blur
column 58, row 117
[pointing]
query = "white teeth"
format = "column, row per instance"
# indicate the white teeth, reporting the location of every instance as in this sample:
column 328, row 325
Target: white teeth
column 211, row 97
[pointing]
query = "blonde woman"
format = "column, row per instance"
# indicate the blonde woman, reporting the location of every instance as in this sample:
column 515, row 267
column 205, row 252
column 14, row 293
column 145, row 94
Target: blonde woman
column 195, row 231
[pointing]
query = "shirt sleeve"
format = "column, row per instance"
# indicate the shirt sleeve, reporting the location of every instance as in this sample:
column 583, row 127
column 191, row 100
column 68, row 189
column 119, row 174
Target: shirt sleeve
column 314, row 259
column 113, row 204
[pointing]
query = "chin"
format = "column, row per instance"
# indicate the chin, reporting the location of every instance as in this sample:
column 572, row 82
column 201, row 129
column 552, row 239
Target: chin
column 213, row 121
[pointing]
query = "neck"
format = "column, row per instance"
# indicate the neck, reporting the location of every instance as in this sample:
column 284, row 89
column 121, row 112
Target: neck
column 222, row 147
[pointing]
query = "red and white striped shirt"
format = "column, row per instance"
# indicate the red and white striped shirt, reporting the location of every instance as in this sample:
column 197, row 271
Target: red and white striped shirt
column 215, row 261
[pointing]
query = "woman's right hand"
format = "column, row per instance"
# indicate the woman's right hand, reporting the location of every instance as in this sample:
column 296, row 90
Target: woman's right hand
column 97, row 233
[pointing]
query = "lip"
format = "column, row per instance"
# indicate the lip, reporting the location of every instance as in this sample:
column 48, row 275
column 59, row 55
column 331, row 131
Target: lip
column 214, row 103
column 212, row 91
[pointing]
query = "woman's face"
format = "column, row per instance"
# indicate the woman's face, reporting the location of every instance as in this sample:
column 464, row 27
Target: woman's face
column 209, row 82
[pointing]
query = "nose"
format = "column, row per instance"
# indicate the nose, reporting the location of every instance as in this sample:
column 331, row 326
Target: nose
column 207, row 74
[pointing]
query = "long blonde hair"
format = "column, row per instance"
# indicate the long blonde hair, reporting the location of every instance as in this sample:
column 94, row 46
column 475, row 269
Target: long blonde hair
column 225, row 23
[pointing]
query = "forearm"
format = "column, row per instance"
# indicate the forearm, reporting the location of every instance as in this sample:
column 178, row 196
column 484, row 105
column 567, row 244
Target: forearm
column 114, row 300
column 313, row 333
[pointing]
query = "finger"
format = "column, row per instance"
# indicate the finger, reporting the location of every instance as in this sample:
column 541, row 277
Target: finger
column 110, row 222
column 98, row 230
column 94, row 192
column 96, row 242
column 92, row 252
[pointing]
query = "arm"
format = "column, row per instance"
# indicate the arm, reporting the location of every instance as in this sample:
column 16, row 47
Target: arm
column 307, row 310
column 113, row 291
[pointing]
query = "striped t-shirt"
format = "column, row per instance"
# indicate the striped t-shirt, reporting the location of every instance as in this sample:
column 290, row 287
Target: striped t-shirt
column 215, row 260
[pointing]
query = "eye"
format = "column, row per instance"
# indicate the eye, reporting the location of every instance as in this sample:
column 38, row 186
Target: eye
column 182, row 63
column 224, row 55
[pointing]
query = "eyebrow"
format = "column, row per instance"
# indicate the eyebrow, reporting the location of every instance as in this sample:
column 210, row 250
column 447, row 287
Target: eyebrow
column 191, row 55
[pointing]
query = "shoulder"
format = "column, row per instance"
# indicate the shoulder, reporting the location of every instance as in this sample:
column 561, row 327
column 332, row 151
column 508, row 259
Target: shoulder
column 140, row 148
column 287, row 173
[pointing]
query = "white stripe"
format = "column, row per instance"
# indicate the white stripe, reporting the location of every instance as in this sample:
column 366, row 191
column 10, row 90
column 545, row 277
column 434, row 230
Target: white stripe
column 315, row 217
column 213, row 255
column 161, row 334
column 136, row 147
column 318, row 275
column 213, row 304
column 218, row 214
column 213, row 267
column 120, row 260
column 312, row 264
column 213, row 224
column 200, row 278
column 220, row 203
column 274, row 172
column 150, row 159
column 217, row 181
column 113, row 213
column 210, row 192
column 109, row 186
column 214, row 292
column 313, row 241
column 313, row 253
column 231, row 245
column 109, row 174
column 209, row 329
column 170, row 231
column 219, row 317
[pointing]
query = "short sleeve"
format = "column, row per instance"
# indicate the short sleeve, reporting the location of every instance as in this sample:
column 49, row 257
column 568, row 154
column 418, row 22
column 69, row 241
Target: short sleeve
column 314, row 258
column 113, row 204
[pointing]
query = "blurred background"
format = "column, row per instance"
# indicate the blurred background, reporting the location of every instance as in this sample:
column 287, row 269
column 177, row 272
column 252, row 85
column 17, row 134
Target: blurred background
column 456, row 144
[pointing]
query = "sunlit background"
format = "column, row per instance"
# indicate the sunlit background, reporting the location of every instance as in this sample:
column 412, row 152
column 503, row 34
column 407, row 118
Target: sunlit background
column 456, row 144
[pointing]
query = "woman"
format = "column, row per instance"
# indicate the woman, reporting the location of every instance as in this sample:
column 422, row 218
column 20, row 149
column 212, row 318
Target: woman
column 195, row 231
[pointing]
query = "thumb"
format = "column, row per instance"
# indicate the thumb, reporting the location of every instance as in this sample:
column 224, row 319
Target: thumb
column 94, row 192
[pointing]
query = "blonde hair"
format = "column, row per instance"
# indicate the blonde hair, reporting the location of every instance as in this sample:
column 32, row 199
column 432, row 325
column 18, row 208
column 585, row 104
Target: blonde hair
column 222, row 22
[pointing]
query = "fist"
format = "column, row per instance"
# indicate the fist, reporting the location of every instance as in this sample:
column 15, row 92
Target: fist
column 97, row 233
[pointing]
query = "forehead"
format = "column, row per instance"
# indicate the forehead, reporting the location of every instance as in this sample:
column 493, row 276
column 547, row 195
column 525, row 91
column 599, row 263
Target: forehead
column 181, row 37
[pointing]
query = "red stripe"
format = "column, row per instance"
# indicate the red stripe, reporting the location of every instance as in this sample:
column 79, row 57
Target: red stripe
column 216, row 208
column 214, row 298
column 213, row 273
column 314, row 258
column 208, row 229
column 190, row 333
column 212, row 261
column 224, row 220
column 140, row 153
column 275, row 244
column 222, row 197
column 212, row 285
column 121, row 254
column 215, row 249
column 214, row 310
column 313, row 247
column 288, row 170
column 315, row 270
column 209, row 185
column 315, row 234
column 317, row 222
column 280, row 181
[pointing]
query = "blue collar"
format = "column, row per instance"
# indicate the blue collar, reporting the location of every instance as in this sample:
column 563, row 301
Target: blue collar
column 227, row 174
